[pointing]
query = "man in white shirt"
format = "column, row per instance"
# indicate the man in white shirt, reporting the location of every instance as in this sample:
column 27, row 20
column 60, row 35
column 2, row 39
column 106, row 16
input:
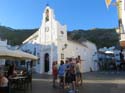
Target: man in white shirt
column 78, row 72
column 3, row 84
column 3, row 80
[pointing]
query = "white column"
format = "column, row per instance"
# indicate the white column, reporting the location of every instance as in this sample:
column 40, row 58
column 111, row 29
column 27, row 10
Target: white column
column 51, row 52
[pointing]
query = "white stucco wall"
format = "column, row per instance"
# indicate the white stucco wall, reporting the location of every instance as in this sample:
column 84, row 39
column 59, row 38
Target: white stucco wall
column 74, row 50
column 85, row 52
column 93, row 57
column 3, row 43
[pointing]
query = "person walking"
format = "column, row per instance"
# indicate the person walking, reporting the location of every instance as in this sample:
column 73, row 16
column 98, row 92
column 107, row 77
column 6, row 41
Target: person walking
column 61, row 73
column 55, row 73
column 78, row 73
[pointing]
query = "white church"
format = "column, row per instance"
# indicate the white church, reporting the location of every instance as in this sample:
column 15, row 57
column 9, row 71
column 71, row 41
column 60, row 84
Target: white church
column 50, row 44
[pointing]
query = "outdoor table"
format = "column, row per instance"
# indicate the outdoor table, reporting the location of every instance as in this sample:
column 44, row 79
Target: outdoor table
column 18, row 77
column 18, row 81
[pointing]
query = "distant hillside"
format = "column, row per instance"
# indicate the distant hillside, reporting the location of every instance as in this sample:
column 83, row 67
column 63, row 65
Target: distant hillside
column 15, row 36
column 101, row 37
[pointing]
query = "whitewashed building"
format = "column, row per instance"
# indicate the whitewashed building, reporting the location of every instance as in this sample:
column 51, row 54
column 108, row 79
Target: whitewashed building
column 3, row 43
column 50, row 44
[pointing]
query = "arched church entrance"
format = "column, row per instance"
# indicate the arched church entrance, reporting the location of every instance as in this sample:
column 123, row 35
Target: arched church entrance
column 46, row 62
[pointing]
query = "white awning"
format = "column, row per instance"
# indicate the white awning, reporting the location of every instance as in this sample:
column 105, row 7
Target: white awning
column 25, row 55
column 8, row 53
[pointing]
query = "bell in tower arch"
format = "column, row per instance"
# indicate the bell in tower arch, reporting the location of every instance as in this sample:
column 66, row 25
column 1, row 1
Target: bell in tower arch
column 47, row 15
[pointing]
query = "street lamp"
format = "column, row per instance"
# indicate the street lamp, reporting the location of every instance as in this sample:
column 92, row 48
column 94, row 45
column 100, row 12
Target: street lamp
column 65, row 46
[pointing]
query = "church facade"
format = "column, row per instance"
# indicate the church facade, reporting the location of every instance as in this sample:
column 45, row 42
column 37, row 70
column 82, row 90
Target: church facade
column 50, row 44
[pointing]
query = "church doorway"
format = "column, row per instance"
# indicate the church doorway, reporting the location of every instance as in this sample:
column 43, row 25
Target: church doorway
column 46, row 62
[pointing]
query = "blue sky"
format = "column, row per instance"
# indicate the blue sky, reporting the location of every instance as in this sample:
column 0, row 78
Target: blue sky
column 76, row 14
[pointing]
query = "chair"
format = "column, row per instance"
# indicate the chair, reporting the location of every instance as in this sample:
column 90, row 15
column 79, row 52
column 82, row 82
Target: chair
column 28, row 80
column 4, row 90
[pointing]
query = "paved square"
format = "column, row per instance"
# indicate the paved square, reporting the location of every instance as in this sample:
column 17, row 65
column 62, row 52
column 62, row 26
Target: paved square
column 94, row 82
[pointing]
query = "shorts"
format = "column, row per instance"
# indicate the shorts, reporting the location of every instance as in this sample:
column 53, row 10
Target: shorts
column 67, row 78
column 73, row 77
column 78, row 74
column 61, row 78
